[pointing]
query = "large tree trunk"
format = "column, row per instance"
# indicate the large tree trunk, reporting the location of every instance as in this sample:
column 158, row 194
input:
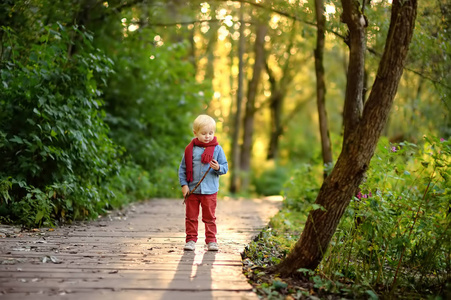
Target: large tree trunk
column 361, row 138
column 320, row 84
column 235, row 162
column 246, row 148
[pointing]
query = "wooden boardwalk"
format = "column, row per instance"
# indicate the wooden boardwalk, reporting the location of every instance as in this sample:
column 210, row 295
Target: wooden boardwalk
column 133, row 254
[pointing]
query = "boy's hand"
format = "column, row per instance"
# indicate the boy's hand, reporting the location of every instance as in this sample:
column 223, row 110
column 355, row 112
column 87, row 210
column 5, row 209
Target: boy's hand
column 214, row 165
column 185, row 190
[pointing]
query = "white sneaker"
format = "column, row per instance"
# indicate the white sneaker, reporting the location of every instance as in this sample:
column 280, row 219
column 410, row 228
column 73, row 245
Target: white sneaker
column 190, row 246
column 213, row 246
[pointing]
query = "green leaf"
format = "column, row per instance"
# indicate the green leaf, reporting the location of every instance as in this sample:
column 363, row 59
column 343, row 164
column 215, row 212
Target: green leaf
column 305, row 271
column 39, row 216
column 16, row 139
column 372, row 294
column 318, row 206
column 278, row 285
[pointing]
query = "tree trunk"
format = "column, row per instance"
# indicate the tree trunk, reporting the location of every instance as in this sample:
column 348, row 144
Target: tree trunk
column 176, row 10
column 277, row 98
column 320, row 84
column 82, row 18
column 235, row 161
column 212, row 37
column 356, row 66
column 246, row 148
column 361, row 139
column 275, row 105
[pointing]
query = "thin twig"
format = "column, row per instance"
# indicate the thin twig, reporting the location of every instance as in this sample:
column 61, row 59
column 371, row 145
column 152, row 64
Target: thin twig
column 192, row 191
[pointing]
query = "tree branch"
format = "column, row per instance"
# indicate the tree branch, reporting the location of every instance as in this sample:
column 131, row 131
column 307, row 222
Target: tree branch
column 282, row 13
column 353, row 106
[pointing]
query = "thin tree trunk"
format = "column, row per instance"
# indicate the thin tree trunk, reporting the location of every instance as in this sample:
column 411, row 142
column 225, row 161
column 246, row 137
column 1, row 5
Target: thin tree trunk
column 277, row 98
column 212, row 37
column 360, row 140
column 246, row 149
column 275, row 107
column 276, row 102
column 235, row 163
column 321, row 86
column 413, row 107
column 176, row 10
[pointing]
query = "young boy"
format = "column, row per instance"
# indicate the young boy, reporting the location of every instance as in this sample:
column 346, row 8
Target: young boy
column 203, row 152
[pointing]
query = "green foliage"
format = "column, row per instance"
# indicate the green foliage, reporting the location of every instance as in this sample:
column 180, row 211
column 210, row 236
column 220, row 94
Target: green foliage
column 273, row 289
column 397, row 226
column 272, row 245
column 430, row 52
column 301, row 189
column 89, row 124
column 150, row 116
column 396, row 230
column 271, row 181
column 394, row 237
column 268, row 249
column 57, row 160
column 274, row 242
column 423, row 98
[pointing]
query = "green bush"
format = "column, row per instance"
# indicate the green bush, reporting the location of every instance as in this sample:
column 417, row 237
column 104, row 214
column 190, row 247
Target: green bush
column 301, row 189
column 395, row 233
column 271, row 181
column 58, row 162
column 393, row 240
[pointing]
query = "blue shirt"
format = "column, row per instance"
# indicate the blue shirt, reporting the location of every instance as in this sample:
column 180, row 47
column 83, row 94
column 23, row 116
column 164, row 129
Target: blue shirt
column 210, row 184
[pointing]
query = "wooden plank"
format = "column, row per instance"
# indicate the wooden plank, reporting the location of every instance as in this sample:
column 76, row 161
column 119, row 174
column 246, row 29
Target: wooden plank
column 230, row 272
column 134, row 254
column 188, row 283
column 129, row 294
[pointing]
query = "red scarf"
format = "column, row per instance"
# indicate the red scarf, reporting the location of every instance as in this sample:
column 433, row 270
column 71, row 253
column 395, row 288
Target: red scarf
column 206, row 157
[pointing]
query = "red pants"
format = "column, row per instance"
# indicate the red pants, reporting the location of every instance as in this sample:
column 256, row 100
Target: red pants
column 208, row 204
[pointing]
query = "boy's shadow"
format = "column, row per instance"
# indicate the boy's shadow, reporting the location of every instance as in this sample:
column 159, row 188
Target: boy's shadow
column 193, row 277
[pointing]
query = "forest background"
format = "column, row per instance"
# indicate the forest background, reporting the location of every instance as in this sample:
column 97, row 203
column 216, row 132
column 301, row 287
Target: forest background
column 97, row 100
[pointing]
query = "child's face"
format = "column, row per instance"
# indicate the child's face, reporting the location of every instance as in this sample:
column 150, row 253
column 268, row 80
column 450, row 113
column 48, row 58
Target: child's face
column 205, row 134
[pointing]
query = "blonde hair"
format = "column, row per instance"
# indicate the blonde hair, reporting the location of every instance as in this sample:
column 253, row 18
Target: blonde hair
column 203, row 121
